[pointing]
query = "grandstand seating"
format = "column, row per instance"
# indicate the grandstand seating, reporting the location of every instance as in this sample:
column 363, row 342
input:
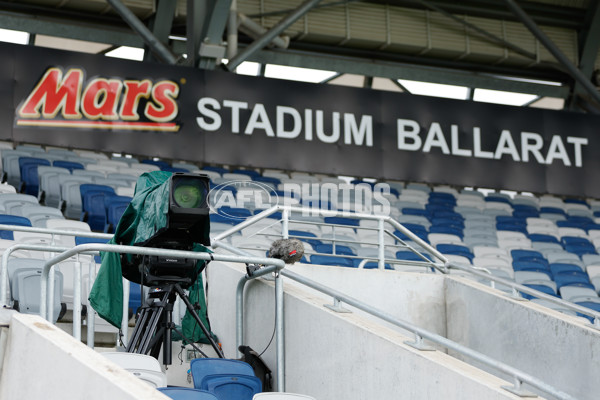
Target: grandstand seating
column 544, row 242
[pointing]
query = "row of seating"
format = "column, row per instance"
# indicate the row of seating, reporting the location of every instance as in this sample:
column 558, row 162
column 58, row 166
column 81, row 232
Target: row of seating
column 213, row 379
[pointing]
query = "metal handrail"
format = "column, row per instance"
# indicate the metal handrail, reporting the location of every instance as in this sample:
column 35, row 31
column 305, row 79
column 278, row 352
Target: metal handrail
column 420, row 334
column 518, row 376
column 530, row 291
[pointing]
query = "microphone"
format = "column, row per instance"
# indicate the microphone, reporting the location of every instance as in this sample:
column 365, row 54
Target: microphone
column 288, row 250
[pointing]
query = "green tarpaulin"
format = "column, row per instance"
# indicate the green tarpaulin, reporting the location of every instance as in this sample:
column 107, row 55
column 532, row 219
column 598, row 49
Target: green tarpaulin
column 145, row 215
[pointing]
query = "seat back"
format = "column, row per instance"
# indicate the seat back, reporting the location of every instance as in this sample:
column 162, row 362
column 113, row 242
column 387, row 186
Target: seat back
column 232, row 386
column 183, row 393
column 25, row 283
column 202, row 367
column 70, row 165
column 29, row 173
column 12, row 220
column 142, row 366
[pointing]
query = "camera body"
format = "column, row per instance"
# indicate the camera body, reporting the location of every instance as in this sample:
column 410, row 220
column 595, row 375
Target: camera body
column 187, row 224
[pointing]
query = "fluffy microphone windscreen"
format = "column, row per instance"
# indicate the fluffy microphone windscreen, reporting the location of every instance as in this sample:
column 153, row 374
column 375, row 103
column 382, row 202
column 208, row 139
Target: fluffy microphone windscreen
column 288, row 250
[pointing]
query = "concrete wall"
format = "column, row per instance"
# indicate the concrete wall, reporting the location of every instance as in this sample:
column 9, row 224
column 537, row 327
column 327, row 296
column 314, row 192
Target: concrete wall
column 340, row 355
column 43, row 362
column 556, row 348
column 417, row 298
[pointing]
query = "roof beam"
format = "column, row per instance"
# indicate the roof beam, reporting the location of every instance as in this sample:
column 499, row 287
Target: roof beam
column 215, row 17
column 157, row 47
column 589, row 47
column 88, row 31
column 162, row 23
column 392, row 70
column 555, row 51
column 265, row 39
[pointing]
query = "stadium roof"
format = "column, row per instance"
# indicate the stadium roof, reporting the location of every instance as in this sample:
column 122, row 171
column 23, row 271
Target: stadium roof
column 545, row 48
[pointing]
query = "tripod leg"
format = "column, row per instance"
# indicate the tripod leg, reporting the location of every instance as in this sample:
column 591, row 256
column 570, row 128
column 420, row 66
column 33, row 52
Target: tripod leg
column 167, row 336
column 140, row 327
column 194, row 314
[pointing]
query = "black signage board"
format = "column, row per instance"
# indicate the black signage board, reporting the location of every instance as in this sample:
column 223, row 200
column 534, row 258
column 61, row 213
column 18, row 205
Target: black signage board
column 76, row 100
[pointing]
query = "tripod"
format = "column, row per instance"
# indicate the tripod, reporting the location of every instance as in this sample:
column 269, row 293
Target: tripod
column 155, row 323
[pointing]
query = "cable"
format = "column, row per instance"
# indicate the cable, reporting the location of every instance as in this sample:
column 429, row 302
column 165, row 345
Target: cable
column 272, row 335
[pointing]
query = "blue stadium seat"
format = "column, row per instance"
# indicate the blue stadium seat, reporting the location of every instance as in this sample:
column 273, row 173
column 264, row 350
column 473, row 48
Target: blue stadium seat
column 93, row 204
column 540, row 288
column 28, row 167
column 304, row 236
column 202, row 367
column 232, row 387
column 496, row 198
column 417, row 229
column 222, row 219
column 572, row 278
column 339, row 249
column 84, row 240
column 159, row 163
column 235, row 213
column 540, row 237
column 521, row 265
column 135, row 296
column 408, row 255
column 174, row 169
column 220, row 170
column 416, row 211
column 115, row 207
column 552, row 210
column 341, row 221
column 251, row 173
column 455, row 249
column 6, row 219
column 593, row 305
column 183, row 393
column 511, row 226
column 331, row 260
column 528, row 255
column 70, row 165
column 557, row 268
column 452, row 230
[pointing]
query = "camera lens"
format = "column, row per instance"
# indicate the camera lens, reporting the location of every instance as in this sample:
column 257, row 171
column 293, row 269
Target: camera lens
column 188, row 195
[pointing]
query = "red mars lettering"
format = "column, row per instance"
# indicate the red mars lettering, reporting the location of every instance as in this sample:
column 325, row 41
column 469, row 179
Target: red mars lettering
column 101, row 103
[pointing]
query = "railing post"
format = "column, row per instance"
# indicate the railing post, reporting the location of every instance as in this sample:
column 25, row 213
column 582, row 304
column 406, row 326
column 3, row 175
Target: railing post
column 125, row 320
column 77, row 301
column 381, row 240
column 285, row 223
column 280, row 334
column 91, row 313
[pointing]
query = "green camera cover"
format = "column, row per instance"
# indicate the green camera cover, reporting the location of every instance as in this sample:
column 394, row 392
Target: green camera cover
column 144, row 216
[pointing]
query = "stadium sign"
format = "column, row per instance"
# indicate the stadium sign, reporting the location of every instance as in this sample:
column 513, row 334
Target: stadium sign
column 101, row 104
column 76, row 100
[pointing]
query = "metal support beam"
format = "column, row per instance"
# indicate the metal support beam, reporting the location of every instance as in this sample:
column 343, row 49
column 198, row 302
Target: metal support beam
column 232, row 31
column 589, row 40
column 262, row 41
column 555, row 51
column 162, row 22
column 480, row 32
column 216, row 18
column 196, row 10
column 90, row 31
column 392, row 70
column 155, row 45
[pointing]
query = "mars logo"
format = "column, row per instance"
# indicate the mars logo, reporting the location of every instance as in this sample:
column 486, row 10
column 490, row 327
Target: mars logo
column 101, row 104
